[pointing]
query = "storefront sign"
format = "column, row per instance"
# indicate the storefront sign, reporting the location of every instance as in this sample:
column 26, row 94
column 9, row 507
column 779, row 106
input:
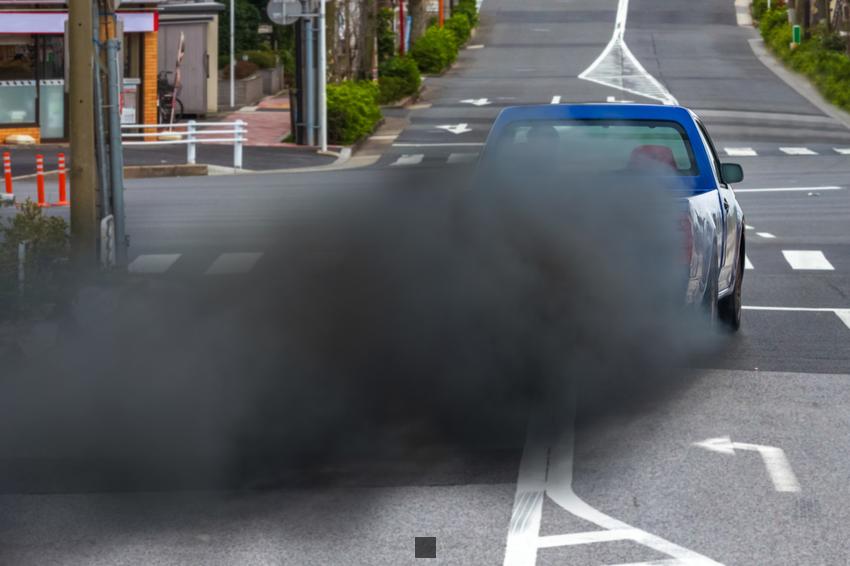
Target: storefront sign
column 54, row 22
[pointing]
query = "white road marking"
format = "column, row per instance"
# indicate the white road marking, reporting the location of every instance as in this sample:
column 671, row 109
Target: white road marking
column 476, row 46
column 747, row 226
column 617, row 67
column 477, row 101
column 556, row 100
column 740, row 152
column 788, row 189
column 234, row 263
column 742, row 13
column 549, row 472
column 152, row 263
column 797, row 151
column 385, row 138
column 842, row 314
column 613, row 99
column 807, row 259
column 462, row 157
column 766, row 235
column 456, row 129
column 414, row 159
column 778, row 467
column 448, row 144
column 842, row 150
column 747, row 263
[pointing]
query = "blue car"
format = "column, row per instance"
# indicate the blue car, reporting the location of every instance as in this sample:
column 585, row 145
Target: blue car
column 667, row 142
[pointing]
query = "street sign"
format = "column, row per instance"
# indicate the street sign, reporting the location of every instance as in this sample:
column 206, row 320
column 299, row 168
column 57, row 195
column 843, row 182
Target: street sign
column 284, row 12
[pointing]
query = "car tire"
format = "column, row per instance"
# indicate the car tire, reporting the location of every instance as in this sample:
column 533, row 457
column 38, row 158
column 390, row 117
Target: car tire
column 730, row 307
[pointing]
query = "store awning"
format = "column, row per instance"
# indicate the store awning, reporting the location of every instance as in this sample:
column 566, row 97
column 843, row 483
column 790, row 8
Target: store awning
column 54, row 22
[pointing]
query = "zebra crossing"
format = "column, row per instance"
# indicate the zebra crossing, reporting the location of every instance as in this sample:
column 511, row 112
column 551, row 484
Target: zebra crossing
column 783, row 150
column 227, row 263
column 424, row 159
column 797, row 260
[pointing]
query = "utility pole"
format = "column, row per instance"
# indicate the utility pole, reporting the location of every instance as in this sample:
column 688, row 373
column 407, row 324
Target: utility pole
column 84, row 226
column 232, row 53
column 323, row 78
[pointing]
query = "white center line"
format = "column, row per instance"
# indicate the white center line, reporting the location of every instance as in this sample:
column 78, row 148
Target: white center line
column 797, row 151
column 233, row 263
column 812, row 260
column 152, row 263
column 740, row 152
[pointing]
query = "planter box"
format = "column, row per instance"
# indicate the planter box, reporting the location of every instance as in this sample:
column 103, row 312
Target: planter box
column 248, row 91
column 272, row 80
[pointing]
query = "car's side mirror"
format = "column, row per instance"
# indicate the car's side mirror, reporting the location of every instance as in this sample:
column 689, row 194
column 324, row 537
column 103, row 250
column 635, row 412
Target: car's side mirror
column 731, row 173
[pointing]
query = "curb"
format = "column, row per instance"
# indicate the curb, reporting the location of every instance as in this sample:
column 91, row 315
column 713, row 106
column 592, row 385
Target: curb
column 798, row 82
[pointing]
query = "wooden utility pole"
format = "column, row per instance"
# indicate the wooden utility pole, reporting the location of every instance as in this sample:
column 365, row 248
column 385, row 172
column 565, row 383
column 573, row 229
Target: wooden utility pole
column 84, row 228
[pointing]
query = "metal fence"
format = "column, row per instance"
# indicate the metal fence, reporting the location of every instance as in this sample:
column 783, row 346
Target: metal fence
column 190, row 134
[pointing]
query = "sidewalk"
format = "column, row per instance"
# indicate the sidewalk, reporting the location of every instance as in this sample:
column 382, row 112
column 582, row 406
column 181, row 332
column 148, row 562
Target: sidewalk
column 268, row 124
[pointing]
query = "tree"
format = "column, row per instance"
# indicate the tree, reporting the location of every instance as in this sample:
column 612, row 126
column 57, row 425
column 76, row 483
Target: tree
column 248, row 18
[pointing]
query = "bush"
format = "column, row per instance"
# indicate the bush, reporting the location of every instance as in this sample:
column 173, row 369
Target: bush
column 244, row 69
column 47, row 254
column 817, row 57
column 459, row 25
column 435, row 50
column 353, row 111
column 386, row 35
column 468, row 9
column 262, row 58
column 398, row 77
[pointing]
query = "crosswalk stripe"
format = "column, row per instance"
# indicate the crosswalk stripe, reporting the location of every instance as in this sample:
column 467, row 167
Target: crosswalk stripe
column 556, row 100
column 766, row 235
column 233, row 263
column 747, row 263
column 740, row 152
column 152, row 263
column 462, row 157
column 807, row 260
column 844, row 315
column 797, row 151
column 414, row 159
column 842, row 150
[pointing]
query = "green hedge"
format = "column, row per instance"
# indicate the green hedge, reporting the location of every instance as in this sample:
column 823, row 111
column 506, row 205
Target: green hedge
column 820, row 57
column 459, row 25
column 264, row 59
column 435, row 50
column 398, row 77
column 468, row 9
column 353, row 111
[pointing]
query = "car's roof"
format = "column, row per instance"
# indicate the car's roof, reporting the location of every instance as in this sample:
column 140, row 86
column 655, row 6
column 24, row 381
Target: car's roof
column 612, row 111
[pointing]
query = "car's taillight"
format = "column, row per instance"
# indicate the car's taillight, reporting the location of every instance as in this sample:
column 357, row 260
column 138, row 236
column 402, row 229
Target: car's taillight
column 687, row 229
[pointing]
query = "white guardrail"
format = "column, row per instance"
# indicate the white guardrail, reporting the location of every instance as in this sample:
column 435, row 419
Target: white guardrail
column 190, row 134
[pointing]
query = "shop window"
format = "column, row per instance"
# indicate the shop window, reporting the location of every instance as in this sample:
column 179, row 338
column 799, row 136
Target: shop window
column 18, row 89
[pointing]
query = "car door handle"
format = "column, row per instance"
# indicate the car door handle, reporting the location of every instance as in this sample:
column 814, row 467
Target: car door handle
column 726, row 205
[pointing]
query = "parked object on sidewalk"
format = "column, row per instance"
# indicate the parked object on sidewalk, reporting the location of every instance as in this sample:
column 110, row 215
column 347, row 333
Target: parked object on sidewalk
column 39, row 173
column 7, row 171
column 189, row 134
column 63, row 189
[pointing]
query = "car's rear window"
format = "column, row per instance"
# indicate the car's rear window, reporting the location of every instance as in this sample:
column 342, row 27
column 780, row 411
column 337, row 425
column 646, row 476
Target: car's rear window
column 599, row 146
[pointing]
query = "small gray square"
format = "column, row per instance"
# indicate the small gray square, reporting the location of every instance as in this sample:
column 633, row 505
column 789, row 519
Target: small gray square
column 425, row 547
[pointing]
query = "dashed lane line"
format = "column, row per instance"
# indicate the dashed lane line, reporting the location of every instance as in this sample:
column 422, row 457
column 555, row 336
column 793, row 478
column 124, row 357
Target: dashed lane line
column 809, row 260
column 740, row 152
column 414, row 159
column 797, row 151
column 151, row 264
column 234, row 263
column 766, row 235
column 789, row 190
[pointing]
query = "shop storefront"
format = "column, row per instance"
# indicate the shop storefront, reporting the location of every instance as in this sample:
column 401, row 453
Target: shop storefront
column 33, row 61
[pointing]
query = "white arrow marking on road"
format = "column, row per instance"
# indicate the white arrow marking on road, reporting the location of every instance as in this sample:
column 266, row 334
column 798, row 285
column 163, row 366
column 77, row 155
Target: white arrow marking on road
column 777, row 465
column 456, row 128
column 477, row 101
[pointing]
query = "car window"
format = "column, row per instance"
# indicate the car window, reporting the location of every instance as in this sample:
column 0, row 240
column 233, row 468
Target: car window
column 599, row 146
column 709, row 147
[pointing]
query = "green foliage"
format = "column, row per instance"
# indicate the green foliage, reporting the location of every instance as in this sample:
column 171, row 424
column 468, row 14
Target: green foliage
column 244, row 69
column 46, row 259
column 262, row 58
column 353, row 111
column 459, row 25
column 468, row 9
column 816, row 58
column 435, row 51
column 759, row 8
column 398, row 77
column 386, row 35
column 248, row 18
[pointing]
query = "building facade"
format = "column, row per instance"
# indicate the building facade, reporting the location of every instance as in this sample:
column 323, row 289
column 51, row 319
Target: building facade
column 34, row 61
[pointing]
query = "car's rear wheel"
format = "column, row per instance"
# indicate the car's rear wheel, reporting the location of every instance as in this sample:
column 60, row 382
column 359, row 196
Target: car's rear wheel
column 729, row 308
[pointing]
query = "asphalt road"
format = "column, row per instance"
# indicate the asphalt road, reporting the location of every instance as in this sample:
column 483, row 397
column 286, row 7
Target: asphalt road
column 632, row 489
